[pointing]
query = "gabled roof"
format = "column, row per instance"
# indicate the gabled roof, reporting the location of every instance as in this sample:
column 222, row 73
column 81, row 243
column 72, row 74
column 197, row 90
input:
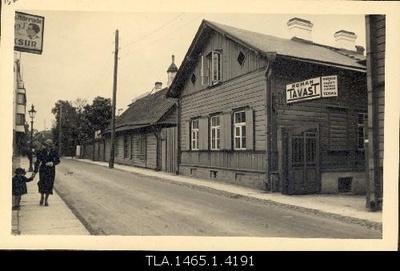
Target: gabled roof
column 144, row 112
column 262, row 44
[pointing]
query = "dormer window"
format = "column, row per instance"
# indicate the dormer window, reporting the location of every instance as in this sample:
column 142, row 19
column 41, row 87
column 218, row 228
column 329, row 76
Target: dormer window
column 212, row 68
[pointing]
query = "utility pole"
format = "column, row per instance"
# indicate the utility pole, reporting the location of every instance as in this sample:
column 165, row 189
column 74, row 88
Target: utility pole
column 114, row 101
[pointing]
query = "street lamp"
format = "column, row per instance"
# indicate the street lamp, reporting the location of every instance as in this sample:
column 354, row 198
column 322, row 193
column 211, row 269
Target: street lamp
column 32, row 114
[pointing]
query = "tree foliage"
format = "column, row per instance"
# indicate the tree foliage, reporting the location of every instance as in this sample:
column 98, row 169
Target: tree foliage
column 77, row 121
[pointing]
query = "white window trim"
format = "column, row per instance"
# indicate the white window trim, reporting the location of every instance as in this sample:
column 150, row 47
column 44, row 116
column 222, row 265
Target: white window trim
column 239, row 125
column 209, row 74
column 364, row 126
column 194, row 140
column 216, row 128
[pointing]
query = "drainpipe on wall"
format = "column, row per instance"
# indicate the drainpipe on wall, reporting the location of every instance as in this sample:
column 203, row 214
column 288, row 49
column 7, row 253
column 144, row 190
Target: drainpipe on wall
column 271, row 56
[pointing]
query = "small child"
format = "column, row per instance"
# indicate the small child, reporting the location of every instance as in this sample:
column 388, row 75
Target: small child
column 19, row 186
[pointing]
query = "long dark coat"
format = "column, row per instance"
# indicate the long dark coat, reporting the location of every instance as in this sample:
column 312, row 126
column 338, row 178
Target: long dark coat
column 19, row 187
column 47, row 174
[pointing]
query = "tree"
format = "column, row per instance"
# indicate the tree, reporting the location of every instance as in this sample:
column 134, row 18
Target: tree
column 97, row 116
column 66, row 129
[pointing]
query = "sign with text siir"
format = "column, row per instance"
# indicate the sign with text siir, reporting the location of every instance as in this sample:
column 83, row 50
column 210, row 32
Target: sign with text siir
column 28, row 33
column 314, row 88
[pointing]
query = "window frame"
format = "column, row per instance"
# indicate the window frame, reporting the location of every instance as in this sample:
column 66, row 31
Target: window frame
column 194, row 141
column 363, row 125
column 214, row 67
column 242, row 127
column 215, row 140
column 21, row 98
column 20, row 119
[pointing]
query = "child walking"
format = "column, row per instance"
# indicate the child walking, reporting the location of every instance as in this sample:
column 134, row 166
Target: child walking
column 19, row 186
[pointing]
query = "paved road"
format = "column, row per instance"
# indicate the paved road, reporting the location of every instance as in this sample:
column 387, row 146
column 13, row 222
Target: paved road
column 114, row 202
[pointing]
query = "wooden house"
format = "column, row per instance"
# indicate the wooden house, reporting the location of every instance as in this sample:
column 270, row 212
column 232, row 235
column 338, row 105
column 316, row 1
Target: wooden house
column 146, row 133
column 376, row 41
column 279, row 114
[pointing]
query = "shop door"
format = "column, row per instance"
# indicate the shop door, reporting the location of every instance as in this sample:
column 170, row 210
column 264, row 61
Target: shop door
column 301, row 151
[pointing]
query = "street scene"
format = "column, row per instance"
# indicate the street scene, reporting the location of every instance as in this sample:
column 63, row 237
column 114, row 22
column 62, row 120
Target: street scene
column 183, row 124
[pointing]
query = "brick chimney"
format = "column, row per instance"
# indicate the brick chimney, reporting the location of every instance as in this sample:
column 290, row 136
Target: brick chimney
column 345, row 40
column 157, row 86
column 300, row 28
column 360, row 49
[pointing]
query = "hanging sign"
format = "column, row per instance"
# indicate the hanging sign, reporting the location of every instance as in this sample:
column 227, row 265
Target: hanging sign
column 314, row 88
column 28, row 33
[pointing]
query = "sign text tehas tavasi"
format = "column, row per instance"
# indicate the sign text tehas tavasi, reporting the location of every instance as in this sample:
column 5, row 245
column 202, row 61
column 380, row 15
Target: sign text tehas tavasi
column 28, row 33
column 314, row 88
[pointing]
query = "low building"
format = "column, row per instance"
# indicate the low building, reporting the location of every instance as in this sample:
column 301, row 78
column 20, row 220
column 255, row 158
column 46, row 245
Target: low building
column 283, row 115
column 146, row 132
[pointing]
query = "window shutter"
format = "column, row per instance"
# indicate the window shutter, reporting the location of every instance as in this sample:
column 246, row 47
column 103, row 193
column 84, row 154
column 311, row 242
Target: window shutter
column 187, row 138
column 249, row 129
column 226, row 131
column 204, row 71
column 203, row 133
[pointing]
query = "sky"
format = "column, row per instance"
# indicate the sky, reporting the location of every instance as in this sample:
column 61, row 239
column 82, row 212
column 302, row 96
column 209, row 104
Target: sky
column 77, row 62
column 78, row 51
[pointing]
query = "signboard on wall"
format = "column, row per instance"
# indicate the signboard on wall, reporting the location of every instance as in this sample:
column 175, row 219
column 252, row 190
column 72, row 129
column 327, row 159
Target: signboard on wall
column 314, row 88
column 329, row 86
column 28, row 33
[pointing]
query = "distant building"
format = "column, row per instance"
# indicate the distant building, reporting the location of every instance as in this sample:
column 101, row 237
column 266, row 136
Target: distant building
column 145, row 133
column 20, row 126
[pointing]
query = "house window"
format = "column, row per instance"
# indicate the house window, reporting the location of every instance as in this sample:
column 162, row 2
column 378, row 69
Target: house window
column 241, row 58
column 126, row 146
column 20, row 119
column 193, row 78
column 239, row 130
column 194, row 134
column 21, row 98
column 211, row 70
column 215, row 132
column 361, row 131
column 141, row 147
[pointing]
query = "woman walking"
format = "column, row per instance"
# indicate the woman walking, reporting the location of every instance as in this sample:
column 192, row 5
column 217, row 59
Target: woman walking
column 46, row 160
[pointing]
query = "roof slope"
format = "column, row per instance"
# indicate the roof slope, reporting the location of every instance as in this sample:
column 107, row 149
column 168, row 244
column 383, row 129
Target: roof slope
column 299, row 49
column 295, row 48
column 147, row 110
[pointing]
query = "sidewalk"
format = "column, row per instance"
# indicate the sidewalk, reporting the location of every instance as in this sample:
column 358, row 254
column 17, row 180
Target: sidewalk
column 33, row 219
column 59, row 219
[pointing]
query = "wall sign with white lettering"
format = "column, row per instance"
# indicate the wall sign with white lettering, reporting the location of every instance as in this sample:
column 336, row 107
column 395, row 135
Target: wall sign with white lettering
column 314, row 88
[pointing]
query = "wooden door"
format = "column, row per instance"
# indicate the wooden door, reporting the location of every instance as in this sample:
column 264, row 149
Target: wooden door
column 301, row 161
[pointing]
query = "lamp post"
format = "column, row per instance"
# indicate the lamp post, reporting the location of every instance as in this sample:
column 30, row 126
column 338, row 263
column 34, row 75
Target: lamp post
column 32, row 114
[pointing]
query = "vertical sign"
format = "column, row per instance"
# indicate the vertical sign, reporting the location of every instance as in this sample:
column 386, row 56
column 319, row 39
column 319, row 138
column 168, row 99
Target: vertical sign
column 28, row 33
column 329, row 86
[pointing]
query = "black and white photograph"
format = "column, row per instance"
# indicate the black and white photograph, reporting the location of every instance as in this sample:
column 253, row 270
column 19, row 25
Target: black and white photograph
column 199, row 126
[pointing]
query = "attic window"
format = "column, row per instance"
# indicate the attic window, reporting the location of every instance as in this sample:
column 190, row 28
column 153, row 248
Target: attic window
column 241, row 58
column 193, row 79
